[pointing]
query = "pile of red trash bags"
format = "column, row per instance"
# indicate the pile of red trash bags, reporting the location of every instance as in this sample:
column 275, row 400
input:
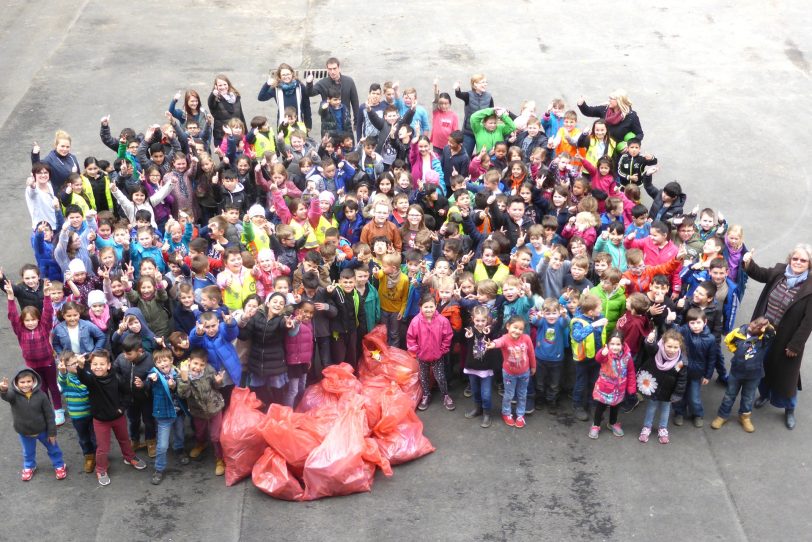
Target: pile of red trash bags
column 343, row 430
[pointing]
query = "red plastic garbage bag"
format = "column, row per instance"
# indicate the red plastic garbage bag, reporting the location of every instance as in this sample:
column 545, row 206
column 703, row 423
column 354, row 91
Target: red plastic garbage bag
column 292, row 435
column 406, row 442
column 373, row 389
column 399, row 432
column 271, row 475
column 337, row 380
column 337, row 465
column 240, row 436
column 398, row 365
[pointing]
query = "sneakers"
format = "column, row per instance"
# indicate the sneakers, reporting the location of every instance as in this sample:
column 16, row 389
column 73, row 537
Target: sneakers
column 27, row 474
column 718, row 422
column 197, row 450
column 581, row 414
column 519, row 422
column 59, row 415
column 61, row 472
column 474, row 413
column 644, row 433
column 508, row 419
column 617, row 430
column 594, row 431
column 183, row 459
column 424, row 402
column 104, row 480
column 699, row 422
column 679, row 419
column 448, row 402
column 467, row 391
column 747, row 424
column 220, row 468
column 136, row 463
column 152, row 447
column 486, row 420
column 157, row 477
column 90, row 462
column 662, row 434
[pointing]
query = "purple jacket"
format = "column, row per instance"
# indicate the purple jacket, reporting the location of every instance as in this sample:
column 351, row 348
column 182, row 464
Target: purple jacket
column 299, row 344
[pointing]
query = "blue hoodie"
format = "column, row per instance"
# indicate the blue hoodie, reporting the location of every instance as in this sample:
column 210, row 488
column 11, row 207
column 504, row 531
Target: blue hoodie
column 700, row 352
column 551, row 339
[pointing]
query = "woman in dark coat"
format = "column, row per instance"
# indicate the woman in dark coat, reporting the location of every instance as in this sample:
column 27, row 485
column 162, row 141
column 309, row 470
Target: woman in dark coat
column 224, row 104
column 786, row 301
column 621, row 121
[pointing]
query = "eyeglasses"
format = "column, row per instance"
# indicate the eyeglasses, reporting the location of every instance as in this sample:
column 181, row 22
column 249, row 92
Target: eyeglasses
column 802, row 260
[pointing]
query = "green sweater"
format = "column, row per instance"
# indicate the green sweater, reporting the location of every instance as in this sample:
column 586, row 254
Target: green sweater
column 488, row 139
column 613, row 305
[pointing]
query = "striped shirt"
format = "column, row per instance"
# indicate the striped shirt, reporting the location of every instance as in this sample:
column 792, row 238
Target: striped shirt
column 75, row 394
column 779, row 300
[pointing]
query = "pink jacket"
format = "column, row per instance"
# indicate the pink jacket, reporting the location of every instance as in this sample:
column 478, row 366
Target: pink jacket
column 518, row 355
column 429, row 341
column 299, row 347
column 589, row 235
column 654, row 255
column 616, row 379
column 604, row 183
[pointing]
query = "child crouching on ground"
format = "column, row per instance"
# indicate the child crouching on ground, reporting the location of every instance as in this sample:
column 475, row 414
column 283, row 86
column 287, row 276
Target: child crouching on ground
column 199, row 384
column 33, row 417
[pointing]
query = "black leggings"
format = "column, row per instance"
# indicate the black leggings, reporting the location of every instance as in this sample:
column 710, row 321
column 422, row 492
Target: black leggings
column 599, row 410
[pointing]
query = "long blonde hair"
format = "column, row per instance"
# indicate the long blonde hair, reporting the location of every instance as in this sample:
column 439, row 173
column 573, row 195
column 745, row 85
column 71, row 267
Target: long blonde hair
column 623, row 101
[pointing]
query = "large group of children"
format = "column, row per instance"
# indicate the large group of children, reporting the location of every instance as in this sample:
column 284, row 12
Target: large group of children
column 510, row 251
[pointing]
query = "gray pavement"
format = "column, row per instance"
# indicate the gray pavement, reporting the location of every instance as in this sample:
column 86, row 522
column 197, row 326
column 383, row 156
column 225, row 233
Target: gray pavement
column 722, row 91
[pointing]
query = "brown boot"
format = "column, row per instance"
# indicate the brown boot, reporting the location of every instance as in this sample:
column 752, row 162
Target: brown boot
column 197, row 450
column 90, row 462
column 747, row 425
column 152, row 447
column 718, row 422
column 220, row 468
column 137, row 445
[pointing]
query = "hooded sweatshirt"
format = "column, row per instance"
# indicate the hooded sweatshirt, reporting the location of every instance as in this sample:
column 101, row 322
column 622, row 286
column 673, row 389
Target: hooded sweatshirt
column 32, row 412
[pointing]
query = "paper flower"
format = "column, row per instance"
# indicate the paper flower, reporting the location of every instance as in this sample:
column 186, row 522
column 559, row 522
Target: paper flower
column 646, row 383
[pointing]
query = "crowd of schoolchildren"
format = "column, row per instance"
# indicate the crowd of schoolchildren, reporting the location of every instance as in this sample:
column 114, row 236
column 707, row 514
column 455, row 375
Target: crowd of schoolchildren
column 510, row 251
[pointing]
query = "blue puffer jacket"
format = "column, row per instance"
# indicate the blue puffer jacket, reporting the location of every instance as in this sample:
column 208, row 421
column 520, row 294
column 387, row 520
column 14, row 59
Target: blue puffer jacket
column 222, row 354
column 700, row 352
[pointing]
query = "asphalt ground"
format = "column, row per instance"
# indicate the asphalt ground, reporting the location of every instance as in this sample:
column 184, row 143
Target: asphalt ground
column 722, row 90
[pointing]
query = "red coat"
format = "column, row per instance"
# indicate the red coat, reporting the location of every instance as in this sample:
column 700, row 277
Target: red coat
column 429, row 341
column 35, row 344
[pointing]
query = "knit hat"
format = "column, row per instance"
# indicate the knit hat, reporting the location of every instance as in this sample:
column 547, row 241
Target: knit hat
column 96, row 297
column 77, row 266
column 256, row 210
column 327, row 196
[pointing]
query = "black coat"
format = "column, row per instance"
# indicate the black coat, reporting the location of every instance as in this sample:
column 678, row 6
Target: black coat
column 267, row 336
column 670, row 384
column 222, row 111
column 630, row 123
column 783, row 374
column 656, row 194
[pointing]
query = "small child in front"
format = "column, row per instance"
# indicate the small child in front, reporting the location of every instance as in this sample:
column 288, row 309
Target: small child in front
column 162, row 381
column 615, row 381
column 518, row 364
column 749, row 344
column 429, row 339
column 34, row 421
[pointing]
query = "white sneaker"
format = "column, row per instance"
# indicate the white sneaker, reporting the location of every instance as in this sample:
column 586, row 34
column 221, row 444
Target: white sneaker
column 59, row 414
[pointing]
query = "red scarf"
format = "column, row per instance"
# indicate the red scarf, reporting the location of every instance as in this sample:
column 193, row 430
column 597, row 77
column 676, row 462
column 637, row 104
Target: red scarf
column 613, row 116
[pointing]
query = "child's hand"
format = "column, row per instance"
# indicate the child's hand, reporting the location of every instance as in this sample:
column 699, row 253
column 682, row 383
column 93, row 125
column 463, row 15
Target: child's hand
column 218, row 378
column 748, row 257
column 153, row 377
column 469, row 332
column 61, row 367
column 489, row 344
column 681, row 303
column 671, row 315
column 600, row 323
column 605, row 235
column 68, row 276
column 4, row 385
column 80, row 361
column 199, row 328
column 35, row 148
column 171, row 383
column 705, row 381
column 228, row 318
column 651, row 336
column 139, row 383
column 625, row 282
column 290, row 323
column 9, row 290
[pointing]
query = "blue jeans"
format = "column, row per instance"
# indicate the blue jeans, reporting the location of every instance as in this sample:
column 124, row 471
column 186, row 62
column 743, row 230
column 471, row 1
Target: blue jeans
column 515, row 385
column 84, row 430
column 692, row 399
column 651, row 410
column 481, row 391
column 777, row 400
column 586, row 374
column 747, row 386
column 468, row 143
column 164, row 427
column 30, row 451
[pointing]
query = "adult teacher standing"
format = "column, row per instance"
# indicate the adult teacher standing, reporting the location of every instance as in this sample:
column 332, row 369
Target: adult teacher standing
column 621, row 120
column 335, row 79
column 786, row 301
